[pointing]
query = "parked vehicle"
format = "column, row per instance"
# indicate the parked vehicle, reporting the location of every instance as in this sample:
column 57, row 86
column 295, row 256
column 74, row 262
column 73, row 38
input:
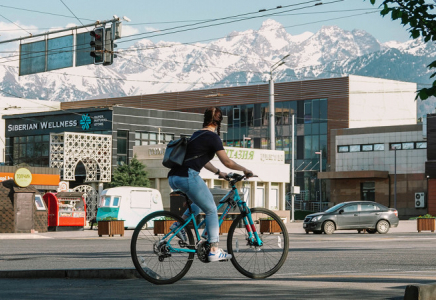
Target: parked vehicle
column 359, row 215
column 127, row 203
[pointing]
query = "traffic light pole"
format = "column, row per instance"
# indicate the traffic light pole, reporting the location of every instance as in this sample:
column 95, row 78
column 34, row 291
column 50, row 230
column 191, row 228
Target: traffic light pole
column 62, row 30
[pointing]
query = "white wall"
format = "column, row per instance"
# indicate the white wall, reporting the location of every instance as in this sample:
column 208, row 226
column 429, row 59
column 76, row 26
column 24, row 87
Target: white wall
column 12, row 106
column 381, row 102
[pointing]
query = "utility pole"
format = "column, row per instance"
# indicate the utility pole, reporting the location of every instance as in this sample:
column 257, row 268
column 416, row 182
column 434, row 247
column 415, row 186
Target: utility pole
column 320, row 185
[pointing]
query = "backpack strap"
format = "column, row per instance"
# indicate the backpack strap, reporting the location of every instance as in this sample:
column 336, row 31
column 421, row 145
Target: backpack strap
column 197, row 156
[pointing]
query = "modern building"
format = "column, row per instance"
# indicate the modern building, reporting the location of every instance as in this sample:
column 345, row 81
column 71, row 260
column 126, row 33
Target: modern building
column 318, row 106
column 10, row 106
column 383, row 164
column 430, row 165
column 266, row 190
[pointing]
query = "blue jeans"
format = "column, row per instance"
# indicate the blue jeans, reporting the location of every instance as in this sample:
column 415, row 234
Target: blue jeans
column 199, row 193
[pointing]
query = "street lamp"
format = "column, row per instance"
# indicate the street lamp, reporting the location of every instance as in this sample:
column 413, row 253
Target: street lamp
column 271, row 103
column 319, row 179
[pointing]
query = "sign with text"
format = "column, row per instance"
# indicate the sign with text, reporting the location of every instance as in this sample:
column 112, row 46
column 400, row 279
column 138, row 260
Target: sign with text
column 78, row 122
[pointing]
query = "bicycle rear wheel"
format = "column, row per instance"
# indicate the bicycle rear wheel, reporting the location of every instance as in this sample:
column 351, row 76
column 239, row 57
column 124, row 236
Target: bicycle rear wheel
column 255, row 261
column 151, row 252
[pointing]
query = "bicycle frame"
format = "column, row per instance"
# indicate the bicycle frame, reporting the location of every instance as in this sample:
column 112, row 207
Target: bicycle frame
column 232, row 199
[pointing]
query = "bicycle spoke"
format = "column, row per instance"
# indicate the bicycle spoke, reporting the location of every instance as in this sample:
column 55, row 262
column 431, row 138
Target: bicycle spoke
column 152, row 254
column 259, row 261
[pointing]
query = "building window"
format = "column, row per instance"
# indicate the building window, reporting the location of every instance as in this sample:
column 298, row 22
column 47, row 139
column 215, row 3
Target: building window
column 32, row 150
column 407, row 146
column 421, row 145
column 355, row 148
column 342, row 149
column 122, row 147
column 379, row 147
column 367, row 191
column 152, row 138
column 367, row 147
column 395, row 146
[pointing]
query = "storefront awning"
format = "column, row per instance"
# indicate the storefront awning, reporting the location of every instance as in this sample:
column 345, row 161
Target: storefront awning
column 353, row 174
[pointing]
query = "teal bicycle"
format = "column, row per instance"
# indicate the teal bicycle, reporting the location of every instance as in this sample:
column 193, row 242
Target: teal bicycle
column 257, row 239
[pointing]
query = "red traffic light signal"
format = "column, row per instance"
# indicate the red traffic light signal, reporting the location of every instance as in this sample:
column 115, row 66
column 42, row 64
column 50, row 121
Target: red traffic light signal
column 97, row 43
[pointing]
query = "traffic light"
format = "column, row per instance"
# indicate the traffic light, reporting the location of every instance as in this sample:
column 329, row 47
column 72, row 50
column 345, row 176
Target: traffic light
column 97, row 44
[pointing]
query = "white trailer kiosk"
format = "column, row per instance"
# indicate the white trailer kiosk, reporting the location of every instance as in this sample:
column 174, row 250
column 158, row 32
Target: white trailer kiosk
column 127, row 203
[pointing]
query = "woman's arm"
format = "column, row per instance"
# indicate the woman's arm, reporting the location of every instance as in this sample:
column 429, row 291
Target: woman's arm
column 222, row 155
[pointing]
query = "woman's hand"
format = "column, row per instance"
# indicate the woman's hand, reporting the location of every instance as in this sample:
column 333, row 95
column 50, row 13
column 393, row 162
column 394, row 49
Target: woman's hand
column 248, row 173
column 222, row 175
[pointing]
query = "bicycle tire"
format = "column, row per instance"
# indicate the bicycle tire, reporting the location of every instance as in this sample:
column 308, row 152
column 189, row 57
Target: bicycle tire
column 147, row 248
column 253, row 261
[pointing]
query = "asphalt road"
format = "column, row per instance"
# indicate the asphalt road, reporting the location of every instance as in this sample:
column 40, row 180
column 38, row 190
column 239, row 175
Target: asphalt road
column 345, row 265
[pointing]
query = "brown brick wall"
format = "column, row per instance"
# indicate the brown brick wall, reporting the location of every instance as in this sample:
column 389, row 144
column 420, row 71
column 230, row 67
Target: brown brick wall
column 40, row 220
column 407, row 185
column 7, row 214
column 431, row 197
column 7, row 217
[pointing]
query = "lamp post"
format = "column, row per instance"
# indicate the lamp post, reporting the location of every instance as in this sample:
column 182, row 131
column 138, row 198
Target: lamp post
column 395, row 176
column 272, row 134
column 320, row 185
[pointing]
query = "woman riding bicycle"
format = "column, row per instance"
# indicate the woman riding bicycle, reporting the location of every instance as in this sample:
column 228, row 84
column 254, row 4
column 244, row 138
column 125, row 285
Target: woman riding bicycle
column 205, row 143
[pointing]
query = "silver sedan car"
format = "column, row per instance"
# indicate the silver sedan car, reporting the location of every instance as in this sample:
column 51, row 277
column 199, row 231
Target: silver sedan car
column 358, row 215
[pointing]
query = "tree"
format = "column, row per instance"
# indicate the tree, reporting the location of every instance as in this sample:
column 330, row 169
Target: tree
column 132, row 174
column 417, row 14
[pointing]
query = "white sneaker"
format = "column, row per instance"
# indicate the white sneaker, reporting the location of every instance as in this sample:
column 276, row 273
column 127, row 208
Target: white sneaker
column 220, row 255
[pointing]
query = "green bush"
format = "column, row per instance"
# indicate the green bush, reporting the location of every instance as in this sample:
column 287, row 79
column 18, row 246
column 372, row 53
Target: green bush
column 427, row 216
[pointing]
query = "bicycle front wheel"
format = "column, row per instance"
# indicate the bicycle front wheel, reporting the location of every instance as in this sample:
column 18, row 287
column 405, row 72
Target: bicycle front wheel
column 253, row 260
column 153, row 254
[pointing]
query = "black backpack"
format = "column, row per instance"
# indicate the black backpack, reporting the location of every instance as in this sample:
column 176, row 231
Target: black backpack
column 176, row 151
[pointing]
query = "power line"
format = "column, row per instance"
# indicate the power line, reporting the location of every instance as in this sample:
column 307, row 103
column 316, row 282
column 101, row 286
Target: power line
column 16, row 24
column 72, row 13
column 222, row 23
column 41, row 12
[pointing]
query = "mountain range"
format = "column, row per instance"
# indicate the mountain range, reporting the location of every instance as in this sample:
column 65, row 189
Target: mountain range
column 240, row 58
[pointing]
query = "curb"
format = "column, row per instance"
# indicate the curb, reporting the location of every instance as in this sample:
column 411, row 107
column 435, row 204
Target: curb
column 420, row 292
column 73, row 273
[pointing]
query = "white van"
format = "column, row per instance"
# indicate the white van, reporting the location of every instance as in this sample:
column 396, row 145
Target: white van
column 127, row 203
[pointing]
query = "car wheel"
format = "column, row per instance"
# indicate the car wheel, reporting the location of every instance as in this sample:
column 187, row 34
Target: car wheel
column 307, row 231
column 382, row 226
column 317, row 232
column 371, row 231
column 328, row 227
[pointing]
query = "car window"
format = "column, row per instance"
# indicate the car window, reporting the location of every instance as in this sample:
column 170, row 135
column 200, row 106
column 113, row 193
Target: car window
column 369, row 207
column 351, row 208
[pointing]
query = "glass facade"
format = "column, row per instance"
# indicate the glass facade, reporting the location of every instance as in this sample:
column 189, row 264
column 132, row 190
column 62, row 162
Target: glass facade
column 310, row 131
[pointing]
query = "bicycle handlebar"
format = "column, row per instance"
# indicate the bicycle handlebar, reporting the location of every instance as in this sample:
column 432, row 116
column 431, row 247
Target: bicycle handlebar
column 237, row 177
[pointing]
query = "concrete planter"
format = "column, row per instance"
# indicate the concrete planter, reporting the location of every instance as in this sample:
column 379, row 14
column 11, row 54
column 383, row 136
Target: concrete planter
column 111, row 227
column 424, row 224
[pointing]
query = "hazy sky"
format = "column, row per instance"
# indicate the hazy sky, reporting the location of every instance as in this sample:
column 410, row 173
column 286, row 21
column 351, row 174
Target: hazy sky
column 146, row 16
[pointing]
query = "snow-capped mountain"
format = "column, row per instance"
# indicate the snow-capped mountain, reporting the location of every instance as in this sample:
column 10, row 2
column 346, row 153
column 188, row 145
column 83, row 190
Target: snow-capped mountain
column 241, row 58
